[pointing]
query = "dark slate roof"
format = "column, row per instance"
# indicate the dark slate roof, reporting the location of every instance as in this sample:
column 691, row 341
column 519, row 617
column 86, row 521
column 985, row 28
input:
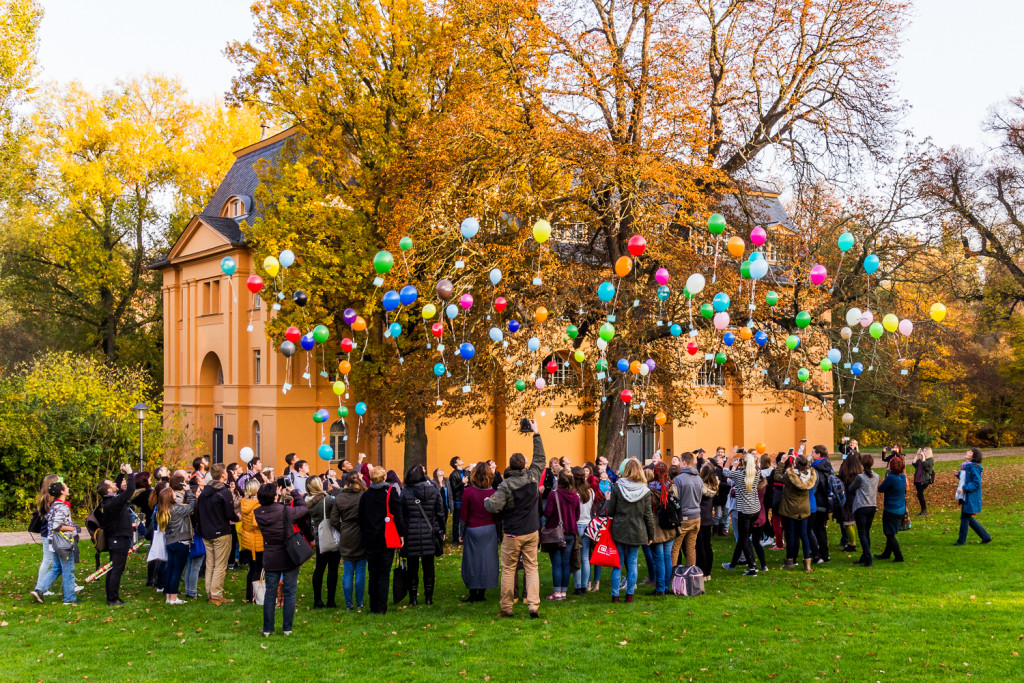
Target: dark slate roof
column 764, row 210
column 241, row 180
column 226, row 226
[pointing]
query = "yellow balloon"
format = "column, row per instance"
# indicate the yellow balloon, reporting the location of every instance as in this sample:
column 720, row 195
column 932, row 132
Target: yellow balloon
column 623, row 266
column 938, row 312
column 271, row 265
column 338, row 388
column 890, row 322
column 579, row 355
column 746, row 333
column 542, row 314
column 735, row 245
column 541, row 231
column 429, row 311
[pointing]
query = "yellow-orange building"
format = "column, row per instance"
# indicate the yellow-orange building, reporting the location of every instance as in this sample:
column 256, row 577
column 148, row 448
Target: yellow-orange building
column 223, row 378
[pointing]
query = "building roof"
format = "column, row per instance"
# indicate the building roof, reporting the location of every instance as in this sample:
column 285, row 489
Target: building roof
column 760, row 207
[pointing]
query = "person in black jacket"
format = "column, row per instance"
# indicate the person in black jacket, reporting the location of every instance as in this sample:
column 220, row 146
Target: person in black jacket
column 374, row 508
column 457, row 483
column 117, row 527
column 822, row 492
column 423, row 520
column 276, row 523
column 217, row 515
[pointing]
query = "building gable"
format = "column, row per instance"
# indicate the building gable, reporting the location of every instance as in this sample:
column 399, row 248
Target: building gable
column 199, row 240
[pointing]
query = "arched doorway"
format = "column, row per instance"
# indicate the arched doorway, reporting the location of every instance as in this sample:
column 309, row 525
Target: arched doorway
column 210, row 408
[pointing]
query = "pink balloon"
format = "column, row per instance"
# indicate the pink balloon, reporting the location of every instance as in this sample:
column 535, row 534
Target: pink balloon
column 661, row 275
column 866, row 318
column 466, row 301
column 906, row 327
column 721, row 320
column 540, row 383
column 818, row 274
column 758, row 236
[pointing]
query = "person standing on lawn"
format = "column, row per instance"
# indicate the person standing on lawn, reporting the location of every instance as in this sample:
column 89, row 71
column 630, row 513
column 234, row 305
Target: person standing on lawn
column 848, row 472
column 799, row 479
column 819, row 520
column 276, row 522
column 374, row 506
column 480, row 552
column 894, row 496
column 345, row 518
column 969, row 494
column 562, row 508
column 217, row 515
column 117, row 527
column 423, row 521
column 924, row 476
column 175, row 505
column 251, row 540
column 457, row 482
column 320, row 507
column 58, row 520
column 705, row 554
column 663, row 497
column 581, row 576
column 632, row 524
column 864, row 489
column 516, row 501
column 746, row 483
column 43, row 502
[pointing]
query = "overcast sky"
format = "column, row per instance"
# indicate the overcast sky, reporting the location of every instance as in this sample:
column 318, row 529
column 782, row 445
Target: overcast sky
column 959, row 58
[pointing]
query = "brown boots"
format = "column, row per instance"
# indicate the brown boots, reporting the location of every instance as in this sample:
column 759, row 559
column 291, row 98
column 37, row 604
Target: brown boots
column 807, row 565
column 788, row 564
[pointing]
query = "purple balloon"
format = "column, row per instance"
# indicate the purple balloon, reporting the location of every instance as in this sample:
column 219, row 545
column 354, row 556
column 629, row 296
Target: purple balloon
column 650, row 364
column 349, row 316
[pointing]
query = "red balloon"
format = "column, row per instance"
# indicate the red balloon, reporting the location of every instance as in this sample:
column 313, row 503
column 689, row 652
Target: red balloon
column 626, row 395
column 437, row 329
column 346, row 344
column 293, row 334
column 254, row 283
column 500, row 303
column 692, row 348
column 637, row 245
column 552, row 367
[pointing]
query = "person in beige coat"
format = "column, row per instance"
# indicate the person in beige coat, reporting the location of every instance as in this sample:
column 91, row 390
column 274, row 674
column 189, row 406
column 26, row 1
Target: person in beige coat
column 795, row 508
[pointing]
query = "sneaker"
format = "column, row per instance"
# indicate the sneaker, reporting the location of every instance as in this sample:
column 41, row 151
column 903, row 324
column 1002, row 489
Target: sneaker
column 554, row 596
column 533, row 615
column 767, row 542
column 159, row 590
column 71, row 602
column 727, row 567
column 750, row 572
column 115, row 603
column 986, row 540
column 79, row 588
column 287, row 633
column 267, row 634
column 764, row 568
column 49, row 593
column 36, row 595
column 176, row 601
column 819, row 561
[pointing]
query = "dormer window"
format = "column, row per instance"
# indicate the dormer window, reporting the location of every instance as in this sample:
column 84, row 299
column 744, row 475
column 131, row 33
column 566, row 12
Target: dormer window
column 234, row 208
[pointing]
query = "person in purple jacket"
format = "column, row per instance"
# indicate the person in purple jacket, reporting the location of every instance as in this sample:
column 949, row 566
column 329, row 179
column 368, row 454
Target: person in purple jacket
column 562, row 507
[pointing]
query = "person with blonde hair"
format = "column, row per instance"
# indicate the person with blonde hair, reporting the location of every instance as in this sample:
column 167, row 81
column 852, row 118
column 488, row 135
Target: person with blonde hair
column 746, row 482
column 345, row 518
column 320, row 507
column 250, row 539
column 632, row 524
column 378, row 507
column 924, row 475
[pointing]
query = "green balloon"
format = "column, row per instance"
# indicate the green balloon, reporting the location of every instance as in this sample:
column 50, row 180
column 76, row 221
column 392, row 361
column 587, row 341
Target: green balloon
column 607, row 332
column 321, row 334
column 720, row 358
column 383, row 261
column 771, row 298
column 520, row 385
column 405, row 244
column 792, row 341
column 342, row 411
column 745, row 270
column 601, row 365
column 716, row 224
column 803, row 374
column 876, row 330
column 572, row 331
column 707, row 310
column 826, row 365
column 687, row 293
column 803, row 319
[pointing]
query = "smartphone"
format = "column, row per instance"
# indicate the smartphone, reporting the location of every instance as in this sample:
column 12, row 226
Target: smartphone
column 282, row 482
column 524, row 426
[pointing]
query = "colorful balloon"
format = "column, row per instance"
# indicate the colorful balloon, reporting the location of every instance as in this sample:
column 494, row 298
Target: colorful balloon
column 803, row 374
column 342, row 411
column 938, row 312
column 803, row 319
column 847, row 418
column 572, row 331
column 437, row 329
column 876, row 330
column 246, row 454
column 906, row 327
column 720, row 358
column 871, row 264
column 758, row 236
column 551, row 367
column 429, row 311
column 405, row 244
column 541, row 313
column 444, row 289
column 857, row 369
column 469, row 228
column 228, row 266
column 254, row 283
column 825, row 365
column 500, row 303
column 745, row 270
column 761, row 337
column 383, row 262
column 626, row 396
column 661, row 276
column 623, row 266
column 607, row 332
column 720, row 302
column 520, row 385
column 359, row 324
column 606, row 292
column 692, row 348
column 728, row 338
column 695, row 283
column 360, row 408
column 321, row 334
column 846, row 242
column 579, row 356
column 716, row 224
column 347, row 345
column 835, row 355
column 272, row 266
column 466, row 301
column 736, row 246
column 636, row 245
column 533, row 344
column 513, row 326
column 866, row 318
column 675, row 330
column 663, row 292
column 452, row 311
column 408, row 295
column 344, row 367
column 771, row 298
column 496, row 334
column 540, row 383
column 890, row 322
column 349, row 316
column 286, row 258
column 293, row 334
column 721, row 321
column 601, row 365
column 622, row 364
column 853, row 316
column 746, row 333
column 758, row 268
column 660, row 418
column 287, row 349
column 391, row 300
column 300, row 298
column 541, row 231
column 494, row 276
column 325, row 451
column 439, row 369
column 634, row 367
column 307, row 342
column 818, row 274
column 395, row 329
column 846, row 333
column 707, row 311
column 792, row 341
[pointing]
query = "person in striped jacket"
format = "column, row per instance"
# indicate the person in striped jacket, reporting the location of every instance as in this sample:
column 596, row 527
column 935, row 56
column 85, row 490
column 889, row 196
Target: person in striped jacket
column 741, row 469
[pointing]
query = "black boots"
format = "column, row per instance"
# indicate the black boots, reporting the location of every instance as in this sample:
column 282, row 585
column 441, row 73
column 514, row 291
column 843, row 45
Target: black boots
column 428, row 591
column 412, row 598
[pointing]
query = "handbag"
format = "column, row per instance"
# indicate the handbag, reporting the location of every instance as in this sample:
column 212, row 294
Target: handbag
column 294, row 544
column 553, row 539
column 391, row 538
column 606, row 553
column 259, row 589
column 327, row 536
column 158, row 548
column 63, row 544
column 437, row 536
column 35, row 525
column 198, row 548
column 595, row 527
column 399, row 581
column 905, row 524
column 576, row 559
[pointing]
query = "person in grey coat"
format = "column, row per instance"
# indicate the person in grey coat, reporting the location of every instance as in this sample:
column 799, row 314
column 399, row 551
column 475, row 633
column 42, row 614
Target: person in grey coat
column 865, row 503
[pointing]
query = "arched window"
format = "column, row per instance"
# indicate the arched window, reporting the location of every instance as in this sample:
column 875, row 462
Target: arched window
column 337, row 440
column 234, row 207
column 710, row 375
column 256, row 442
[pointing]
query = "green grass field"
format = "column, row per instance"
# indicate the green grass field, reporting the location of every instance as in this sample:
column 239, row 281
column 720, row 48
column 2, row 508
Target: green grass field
column 947, row 613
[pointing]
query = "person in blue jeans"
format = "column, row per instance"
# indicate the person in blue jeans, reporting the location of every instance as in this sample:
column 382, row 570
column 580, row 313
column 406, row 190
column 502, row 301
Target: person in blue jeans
column 174, row 508
column 345, row 518
column 59, row 520
column 276, row 522
column 563, row 508
column 969, row 494
column 664, row 496
column 581, row 576
column 632, row 523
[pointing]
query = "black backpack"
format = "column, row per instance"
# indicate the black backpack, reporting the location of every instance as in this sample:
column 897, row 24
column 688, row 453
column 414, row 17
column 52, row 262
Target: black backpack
column 670, row 516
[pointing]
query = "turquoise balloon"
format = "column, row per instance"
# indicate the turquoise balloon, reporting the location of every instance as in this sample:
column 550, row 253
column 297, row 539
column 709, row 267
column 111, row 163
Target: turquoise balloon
column 675, row 330
column 395, row 329
column 846, row 242
column 606, row 292
column 360, row 408
column 720, row 302
column 870, row 264
column 663, row 292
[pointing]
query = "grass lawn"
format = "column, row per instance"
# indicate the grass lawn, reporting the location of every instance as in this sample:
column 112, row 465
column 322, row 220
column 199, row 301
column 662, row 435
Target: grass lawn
column 947, row 613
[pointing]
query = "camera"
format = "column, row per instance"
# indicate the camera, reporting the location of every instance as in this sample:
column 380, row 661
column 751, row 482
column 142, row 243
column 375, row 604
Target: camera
column 524, row 426
column 281, row 482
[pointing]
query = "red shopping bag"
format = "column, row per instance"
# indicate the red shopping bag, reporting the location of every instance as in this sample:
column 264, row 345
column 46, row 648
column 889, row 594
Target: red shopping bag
column 391, row 537
column 606, row 554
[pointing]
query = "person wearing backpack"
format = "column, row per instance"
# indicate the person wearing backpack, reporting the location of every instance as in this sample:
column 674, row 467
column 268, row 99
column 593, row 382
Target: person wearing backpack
column 746, row 482
column 924, row 476
column 824, row 499
column 668, row 516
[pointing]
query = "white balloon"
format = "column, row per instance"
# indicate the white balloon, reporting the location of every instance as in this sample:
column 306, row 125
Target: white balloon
column 246, row 454
column 695, row 283
column 495, row 276
column 644, row 369
column 758, row 268
column 846, row 333
column 847, row 418
column 602, row 345
column 853, row 316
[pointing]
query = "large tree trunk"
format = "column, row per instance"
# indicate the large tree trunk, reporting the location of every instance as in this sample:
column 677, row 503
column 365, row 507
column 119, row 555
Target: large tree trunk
column 611, row 431
column 415, row 442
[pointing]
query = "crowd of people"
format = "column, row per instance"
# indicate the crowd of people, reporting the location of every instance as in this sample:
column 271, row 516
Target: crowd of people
column 367, row 521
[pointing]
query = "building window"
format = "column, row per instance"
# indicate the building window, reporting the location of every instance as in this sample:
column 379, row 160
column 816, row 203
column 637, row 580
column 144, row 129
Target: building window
column 233, row 208
column 337, row 440
column 211, row 297
column 257, row 367
column 574, row 233
column 256, row 437
column 563, row 374
column 710, row 375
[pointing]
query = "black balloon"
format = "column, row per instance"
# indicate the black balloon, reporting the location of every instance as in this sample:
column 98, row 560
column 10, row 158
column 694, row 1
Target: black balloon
column 299, row 297
column 287, row 349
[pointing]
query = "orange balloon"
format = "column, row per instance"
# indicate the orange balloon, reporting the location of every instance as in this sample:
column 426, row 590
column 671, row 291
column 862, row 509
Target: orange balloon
column 634, row 367
column 344, row 367
column 623, row 266
column 746, row 333
column 360, row 324
column 761, row 448
column 661, row 417
column 542, row 314
column 735, row 245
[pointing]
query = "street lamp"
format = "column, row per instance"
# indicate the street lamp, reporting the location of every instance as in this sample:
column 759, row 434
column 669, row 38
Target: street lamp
column 140, row 410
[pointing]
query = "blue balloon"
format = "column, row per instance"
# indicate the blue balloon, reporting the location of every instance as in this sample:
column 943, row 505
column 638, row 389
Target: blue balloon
column 513, row 326
column 325, row 452
column 675, row 330
column 758, row 269
column 495, row 276
column 408, row 295
column 323, row 414
column 623, row 365
column 728, row 338
column 761, row 337
column 307, row 341
column 663, row 292
column 470, row 227
column 451, row 311
column 533, row 344
column 395, row 329
column 286, row 258
column 496, row 334
column 606, row 292
column 360, row 408
column 720, row 302
column 754, row 255
column 857, row 369
column 392, row 300
column 835, row 355
column 439, row 369
column 467, row 351
column 870, row 264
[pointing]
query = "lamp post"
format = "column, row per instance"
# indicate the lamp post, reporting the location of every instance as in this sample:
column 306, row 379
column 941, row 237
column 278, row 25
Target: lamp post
column 140, row 410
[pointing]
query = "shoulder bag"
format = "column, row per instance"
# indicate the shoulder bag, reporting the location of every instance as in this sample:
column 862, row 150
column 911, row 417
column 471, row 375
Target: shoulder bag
column 553, row 539
column 294, row 544
column 259, row 589
column 63, row 544
column 399, row 580
column 391, row 538
column 437, row 536
column 328, row 537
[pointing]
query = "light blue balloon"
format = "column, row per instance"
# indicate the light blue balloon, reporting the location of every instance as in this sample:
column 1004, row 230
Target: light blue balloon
column 720, row 302
column 835, row 355
column 451, row 311
column 675, row 330
column 870, row 264
column 758, row 269
column 325, row 452
column 606, row 292
column 408, row 295
column 533, row 344
column 395, row 329
column 663, row 292
column 360, row 408
column 439, row 369
column 846, row 242
column 755, row 256
column 496, row 334
column 286, row 258
column 495, row 276
column 470, row 227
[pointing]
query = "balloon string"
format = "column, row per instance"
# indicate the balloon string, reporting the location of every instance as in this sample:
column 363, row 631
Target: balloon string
column 689, row 310
column 309, row 377
column 615, row 301
column 231, row 286
column 714, row 274
column 359, row 425
column 408, row 272
column 835, row 276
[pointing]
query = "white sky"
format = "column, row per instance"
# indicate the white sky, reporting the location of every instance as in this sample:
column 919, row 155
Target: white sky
column 959, row 58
